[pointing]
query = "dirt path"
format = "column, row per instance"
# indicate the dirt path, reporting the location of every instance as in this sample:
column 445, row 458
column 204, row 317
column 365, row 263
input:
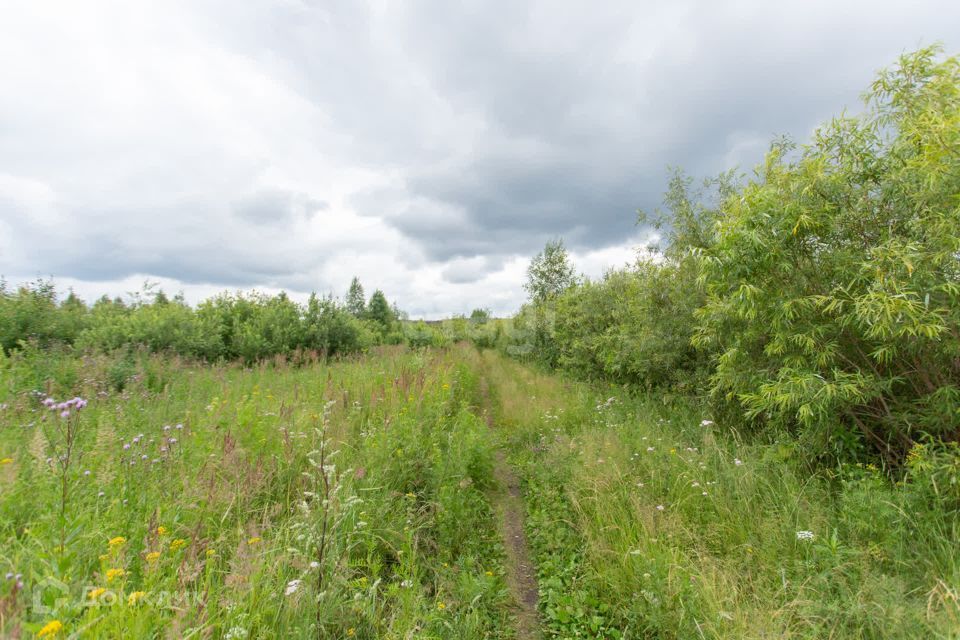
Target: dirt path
column 508, row 504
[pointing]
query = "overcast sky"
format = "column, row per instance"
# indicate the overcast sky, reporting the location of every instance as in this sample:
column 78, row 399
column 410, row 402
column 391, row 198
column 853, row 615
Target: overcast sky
column 431, row 148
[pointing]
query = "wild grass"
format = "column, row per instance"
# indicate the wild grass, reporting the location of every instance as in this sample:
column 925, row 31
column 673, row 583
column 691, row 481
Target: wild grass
column 340, row 500
column 648, row 520
column 352, row 499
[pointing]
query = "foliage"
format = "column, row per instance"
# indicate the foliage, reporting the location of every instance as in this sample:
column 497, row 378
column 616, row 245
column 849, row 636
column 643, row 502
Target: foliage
column 247, row 327
column 480, row 316
column 549, row 274
column 833, row 289
column 32, row 313
column 823, row 296
column 355, row 300
column 633, row 326
column 196, row 509
column 380, row 312
column 649, row 520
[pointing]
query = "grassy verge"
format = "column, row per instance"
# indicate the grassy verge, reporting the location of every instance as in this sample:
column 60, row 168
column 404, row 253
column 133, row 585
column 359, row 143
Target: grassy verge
column 649, row 521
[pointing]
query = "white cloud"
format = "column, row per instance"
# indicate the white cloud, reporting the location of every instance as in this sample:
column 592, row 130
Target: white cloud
column 429, row 148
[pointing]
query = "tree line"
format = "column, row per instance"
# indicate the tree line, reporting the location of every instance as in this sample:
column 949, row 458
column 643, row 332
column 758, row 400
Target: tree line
column 246, row 327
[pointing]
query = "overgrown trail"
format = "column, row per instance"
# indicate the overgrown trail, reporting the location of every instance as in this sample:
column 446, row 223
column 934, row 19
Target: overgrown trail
column 508, row 504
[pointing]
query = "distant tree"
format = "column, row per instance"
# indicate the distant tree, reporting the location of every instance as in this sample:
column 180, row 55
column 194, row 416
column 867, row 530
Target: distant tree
column 399, row 314
column 479, row 316
column 379, row 310
column 160, row 298
column 355, row 302
column 550, row 273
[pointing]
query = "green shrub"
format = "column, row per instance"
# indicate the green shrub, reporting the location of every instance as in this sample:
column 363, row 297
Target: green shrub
column 833, row 290
column 633, row 326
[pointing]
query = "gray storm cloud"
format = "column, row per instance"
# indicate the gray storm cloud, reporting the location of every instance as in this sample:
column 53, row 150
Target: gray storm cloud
column 426, row 146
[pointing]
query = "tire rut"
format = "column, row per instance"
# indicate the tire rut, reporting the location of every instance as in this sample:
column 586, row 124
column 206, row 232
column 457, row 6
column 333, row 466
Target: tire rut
column 520, row 569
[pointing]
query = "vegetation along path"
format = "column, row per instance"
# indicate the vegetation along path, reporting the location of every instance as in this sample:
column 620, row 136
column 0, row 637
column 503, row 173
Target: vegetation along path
column 443, row 494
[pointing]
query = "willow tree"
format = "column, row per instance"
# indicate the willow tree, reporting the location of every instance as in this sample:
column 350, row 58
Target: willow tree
column 833, row 287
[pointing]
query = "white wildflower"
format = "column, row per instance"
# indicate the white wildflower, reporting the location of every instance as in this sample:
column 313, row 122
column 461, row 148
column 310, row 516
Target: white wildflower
column 292, row 587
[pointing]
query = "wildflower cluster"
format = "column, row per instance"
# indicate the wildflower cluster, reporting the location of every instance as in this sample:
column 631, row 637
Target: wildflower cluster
column 64, row 408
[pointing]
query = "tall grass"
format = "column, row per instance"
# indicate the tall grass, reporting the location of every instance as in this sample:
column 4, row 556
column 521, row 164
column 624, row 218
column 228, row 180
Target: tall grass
column 351, row 499
column 651, row 521
column 341, row 500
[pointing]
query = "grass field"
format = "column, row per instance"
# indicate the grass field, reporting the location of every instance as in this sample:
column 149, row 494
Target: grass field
column 368, row 498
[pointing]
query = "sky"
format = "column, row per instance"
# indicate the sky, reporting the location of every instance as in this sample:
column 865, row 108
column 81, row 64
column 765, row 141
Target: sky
column 429, row 148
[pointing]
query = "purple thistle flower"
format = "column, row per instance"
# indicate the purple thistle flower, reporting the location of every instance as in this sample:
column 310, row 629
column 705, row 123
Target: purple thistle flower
column 64, row 414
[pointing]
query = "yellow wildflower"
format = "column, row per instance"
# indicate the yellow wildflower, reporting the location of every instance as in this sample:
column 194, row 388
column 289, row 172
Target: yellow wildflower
column 490, row 574
column 119, row 541
column 351, row 632
column 253, row 540
column 211, row 553
column 441, row 606
column 178, row 544
column 153, row 556
column 115, row 573
column 161, row 531
column 96, row 593
column 445, row 386
column 50, row 629
column 135, row 597
column 6, row 461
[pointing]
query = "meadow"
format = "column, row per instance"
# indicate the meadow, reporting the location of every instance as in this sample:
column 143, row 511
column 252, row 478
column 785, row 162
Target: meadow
column 750, row 432
column 362, row 498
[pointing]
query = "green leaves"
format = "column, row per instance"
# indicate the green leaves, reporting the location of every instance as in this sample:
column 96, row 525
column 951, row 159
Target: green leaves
column 832, row 286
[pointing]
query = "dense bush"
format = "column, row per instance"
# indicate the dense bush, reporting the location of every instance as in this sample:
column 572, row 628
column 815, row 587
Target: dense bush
column 633, row 326
column 823, row 296
column 245, row 327
column 833, row 290
column 32, row 312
